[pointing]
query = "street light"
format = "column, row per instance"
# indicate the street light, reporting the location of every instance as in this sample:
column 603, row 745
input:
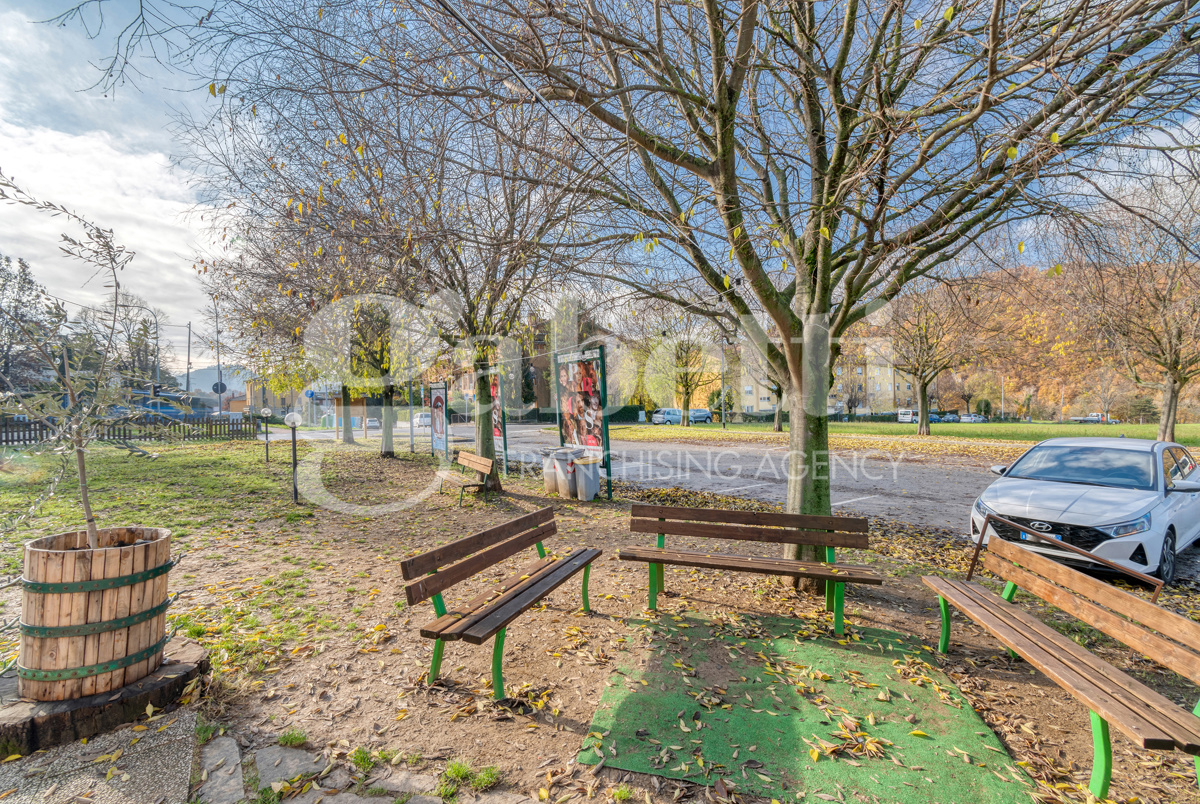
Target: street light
column 266, row 416
column 292, row 420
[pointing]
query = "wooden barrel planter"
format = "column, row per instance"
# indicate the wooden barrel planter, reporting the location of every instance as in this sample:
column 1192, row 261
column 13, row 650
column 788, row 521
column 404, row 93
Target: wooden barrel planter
column 92, row 620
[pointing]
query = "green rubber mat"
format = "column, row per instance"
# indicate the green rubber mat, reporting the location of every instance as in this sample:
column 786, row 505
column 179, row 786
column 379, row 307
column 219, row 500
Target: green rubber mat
column 773, row 707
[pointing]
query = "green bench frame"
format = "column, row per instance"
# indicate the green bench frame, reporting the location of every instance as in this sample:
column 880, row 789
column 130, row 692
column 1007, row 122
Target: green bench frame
column 826, row 532
column 465, row 461
column 1147, row 718
column 489, row 614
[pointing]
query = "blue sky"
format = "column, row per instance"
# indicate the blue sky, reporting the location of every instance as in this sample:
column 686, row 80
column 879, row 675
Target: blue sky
column 108, row 158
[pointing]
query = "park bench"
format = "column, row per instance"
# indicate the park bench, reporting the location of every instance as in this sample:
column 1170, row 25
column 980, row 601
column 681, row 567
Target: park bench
column 488, row 614
column 825, row 531
column 465, row 461
column 1144, row 716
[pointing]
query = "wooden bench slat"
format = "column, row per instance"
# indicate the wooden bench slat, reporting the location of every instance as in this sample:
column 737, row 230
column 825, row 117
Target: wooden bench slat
column 425, row 563
column 973, row 601
column 842, row 524
column 1160, row 649
column 841, row 573
column 749, row 533
column 500, row 616
column 435, row 629
column 1180, row 725
column 1177, row 627
column 473, row 461
column 430, row 585
column 456, row 630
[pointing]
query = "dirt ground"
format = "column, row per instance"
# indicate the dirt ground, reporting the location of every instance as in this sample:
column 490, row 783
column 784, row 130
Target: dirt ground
column 309, row 631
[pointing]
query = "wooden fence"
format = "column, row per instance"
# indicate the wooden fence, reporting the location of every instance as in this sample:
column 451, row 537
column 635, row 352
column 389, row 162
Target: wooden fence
column 192, row 428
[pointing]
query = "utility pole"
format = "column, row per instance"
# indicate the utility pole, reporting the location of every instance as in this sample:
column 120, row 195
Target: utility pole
column 723, row 386
column 217, row 327
column 188, row 382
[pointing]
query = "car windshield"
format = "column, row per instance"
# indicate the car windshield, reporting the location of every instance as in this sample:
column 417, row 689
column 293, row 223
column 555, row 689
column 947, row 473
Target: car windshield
column 1096, row 466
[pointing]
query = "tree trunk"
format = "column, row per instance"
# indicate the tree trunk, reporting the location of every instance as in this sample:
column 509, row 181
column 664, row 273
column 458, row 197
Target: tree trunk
column 808, row 489
column 347, row 430
column 485, row 442
column 1170, row 408
column 779, row 403
column 388, row 420
column 922, row 407
column 685, row 415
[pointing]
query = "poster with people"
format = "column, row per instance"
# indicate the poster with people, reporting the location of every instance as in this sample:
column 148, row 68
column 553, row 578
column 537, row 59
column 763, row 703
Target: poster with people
column 581, row 388
column 437, row 423
column 499, row 420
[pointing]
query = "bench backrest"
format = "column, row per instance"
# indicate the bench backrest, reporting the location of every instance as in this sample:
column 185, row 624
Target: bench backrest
column 442, row 567
column 473, row 461
column 1164, row 636
column 751, row 526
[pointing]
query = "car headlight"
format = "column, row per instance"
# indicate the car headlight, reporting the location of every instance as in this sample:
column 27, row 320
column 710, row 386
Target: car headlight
column 982, row 509
column 1139, row 525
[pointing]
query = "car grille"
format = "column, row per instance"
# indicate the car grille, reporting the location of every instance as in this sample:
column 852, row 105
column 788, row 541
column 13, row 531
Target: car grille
column 1080, row 536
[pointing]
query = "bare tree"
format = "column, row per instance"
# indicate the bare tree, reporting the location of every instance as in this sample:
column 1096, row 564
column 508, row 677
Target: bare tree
column 826, row 153
column 1138, row 281
column 929, row 325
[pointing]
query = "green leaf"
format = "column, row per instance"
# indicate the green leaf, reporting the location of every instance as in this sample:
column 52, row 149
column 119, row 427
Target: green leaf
column 1012, row 152
column 1021, row 247
column 949, row 15
column 825, row 231
column 916, row 25
column 1054, row 138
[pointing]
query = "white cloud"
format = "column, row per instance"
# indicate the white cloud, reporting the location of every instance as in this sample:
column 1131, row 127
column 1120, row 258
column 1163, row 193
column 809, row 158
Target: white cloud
column 105, row 158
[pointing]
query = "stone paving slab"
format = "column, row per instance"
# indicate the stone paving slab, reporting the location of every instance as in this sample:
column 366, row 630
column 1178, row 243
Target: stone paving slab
column 222, row 759
column 276, row 763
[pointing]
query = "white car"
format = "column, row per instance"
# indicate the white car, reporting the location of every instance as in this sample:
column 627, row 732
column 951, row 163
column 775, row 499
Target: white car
column 972, row 418
column 1132, row 501
column 422, row 420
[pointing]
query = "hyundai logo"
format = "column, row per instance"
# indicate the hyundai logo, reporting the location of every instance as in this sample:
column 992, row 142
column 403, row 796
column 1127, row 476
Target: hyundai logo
column 1042, row 527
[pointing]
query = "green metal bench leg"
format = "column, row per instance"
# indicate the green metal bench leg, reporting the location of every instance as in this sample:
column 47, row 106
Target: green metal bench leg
column 830, row 602
column 461, row 489
column 944, row 641
column 1010, row 591
column 435, row 666
column 497, row 665
column 1196, row 712
column 587, row 571
column 653, row 603
column 662, row 577
column 839, row 603
column 1102, row 757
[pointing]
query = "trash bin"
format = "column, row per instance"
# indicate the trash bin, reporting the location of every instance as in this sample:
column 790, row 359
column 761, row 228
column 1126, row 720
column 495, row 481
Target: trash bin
column 549, row 473
column 564, row 466
column 587, row 478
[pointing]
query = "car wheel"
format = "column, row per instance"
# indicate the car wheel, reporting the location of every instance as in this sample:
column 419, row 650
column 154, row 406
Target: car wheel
column 1166, row 562
column 708, row 421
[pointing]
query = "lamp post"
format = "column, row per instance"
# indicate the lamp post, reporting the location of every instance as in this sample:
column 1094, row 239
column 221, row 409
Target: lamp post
column 292, row 420
column 266, row 417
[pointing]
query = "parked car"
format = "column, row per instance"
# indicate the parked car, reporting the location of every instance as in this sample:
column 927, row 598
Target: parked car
column 700, row 416
column 422, row 420
column 934, row 418
column 667, row 416
column 373, row 424
column 1132, row 501
column 906, row 416
column 972, row 418
column 950, row 418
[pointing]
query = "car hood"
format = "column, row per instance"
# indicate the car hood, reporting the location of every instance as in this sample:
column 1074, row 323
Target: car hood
column 1071, row 503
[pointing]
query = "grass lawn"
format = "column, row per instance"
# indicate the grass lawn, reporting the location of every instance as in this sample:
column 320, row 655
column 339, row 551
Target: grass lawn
column 1188, row 434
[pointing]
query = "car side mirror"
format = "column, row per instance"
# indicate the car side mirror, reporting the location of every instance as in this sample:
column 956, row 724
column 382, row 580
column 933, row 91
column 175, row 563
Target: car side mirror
column 1187, row 486
column 998, row 469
